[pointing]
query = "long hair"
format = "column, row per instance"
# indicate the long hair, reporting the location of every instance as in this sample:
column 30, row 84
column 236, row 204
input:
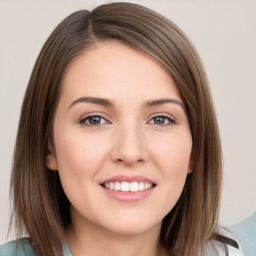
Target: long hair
column 40, row 206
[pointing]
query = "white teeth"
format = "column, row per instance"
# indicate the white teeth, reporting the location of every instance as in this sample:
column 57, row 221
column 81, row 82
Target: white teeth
column 141, row 186
column 134, row 187
column 126, row 186
column 111, row 185
column 117, row 186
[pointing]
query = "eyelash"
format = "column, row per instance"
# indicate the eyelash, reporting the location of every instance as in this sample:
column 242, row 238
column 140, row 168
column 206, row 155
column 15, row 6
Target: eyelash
column 83, row 120
column 171, row 121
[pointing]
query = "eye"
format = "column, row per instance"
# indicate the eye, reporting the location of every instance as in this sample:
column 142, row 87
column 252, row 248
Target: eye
column 93, row 120
column 162, row 120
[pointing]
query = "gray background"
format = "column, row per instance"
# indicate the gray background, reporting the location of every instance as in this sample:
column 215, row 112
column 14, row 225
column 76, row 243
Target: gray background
column 224, row 33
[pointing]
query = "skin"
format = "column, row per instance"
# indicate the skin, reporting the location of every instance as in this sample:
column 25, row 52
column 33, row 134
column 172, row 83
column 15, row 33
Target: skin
column 128, row 140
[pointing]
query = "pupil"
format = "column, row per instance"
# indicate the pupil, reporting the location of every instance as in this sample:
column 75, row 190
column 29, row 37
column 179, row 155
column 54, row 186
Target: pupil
column 94, row 120
column 159, row 120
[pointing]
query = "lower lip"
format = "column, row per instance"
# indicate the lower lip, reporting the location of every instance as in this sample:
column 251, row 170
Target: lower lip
column 128, row 196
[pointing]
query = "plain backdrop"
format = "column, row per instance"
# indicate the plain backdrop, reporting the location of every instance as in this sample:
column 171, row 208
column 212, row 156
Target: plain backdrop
column 224, row 33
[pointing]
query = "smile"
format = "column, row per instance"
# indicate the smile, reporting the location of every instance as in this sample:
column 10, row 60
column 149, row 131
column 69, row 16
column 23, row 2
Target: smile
column 128, row 186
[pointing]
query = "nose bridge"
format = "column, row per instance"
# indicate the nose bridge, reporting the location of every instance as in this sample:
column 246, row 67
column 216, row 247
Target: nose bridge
column 129, row 146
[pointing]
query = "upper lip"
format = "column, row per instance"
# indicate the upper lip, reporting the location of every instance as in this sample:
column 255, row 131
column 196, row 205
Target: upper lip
column 137, row 178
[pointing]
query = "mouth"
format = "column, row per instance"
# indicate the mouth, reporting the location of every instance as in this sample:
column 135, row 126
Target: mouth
column 125, row 186
column 128, row 189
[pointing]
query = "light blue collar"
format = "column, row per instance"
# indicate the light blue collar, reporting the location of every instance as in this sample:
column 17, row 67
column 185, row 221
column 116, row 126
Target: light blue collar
column 66, row 251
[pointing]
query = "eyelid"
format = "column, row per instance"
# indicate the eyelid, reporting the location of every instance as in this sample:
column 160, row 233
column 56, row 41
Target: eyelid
column 172, row 118
column 162, row 114
column 91, row 114
column 107, row 118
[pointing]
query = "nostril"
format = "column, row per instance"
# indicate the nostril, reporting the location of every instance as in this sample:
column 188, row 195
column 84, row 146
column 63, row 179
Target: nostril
column 129, row 161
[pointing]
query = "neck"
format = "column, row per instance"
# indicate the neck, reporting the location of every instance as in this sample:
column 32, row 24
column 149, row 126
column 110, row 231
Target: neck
column 91, row 240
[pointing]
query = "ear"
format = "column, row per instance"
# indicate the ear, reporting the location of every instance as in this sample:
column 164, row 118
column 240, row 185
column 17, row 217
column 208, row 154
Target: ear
column 51, row 160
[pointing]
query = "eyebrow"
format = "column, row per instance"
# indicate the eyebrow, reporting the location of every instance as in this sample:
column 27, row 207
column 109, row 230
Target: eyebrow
column 108, row 103
column 152, row 103
column 98, row 101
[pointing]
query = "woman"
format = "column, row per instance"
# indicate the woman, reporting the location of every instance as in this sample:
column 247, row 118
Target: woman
column 118, row 151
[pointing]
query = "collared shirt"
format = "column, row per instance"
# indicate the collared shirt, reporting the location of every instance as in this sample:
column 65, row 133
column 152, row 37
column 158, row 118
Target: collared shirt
column 245, row 232
column 23, row 247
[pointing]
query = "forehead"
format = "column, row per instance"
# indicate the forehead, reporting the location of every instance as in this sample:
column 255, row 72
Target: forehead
column 115, row 67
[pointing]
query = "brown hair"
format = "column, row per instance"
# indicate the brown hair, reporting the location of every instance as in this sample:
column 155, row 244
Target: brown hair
column 40, row 205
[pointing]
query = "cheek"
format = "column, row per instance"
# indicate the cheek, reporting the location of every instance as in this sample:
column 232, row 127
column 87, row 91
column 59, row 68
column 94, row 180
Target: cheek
column 79, row 158
column 78, row 154
column 172, row 156
column 173, row 152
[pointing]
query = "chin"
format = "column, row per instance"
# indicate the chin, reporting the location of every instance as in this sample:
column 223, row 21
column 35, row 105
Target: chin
column 132, row 226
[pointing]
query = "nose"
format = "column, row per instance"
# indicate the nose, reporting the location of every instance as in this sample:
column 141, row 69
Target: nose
column 129, row 145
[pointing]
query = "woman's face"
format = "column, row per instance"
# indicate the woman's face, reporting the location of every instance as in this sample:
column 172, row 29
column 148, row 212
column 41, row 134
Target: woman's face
column 122, row 140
